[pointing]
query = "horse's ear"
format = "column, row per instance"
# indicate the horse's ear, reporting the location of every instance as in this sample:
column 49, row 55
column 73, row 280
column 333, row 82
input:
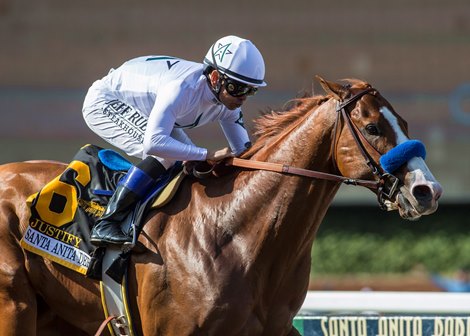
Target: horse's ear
column 338, row 91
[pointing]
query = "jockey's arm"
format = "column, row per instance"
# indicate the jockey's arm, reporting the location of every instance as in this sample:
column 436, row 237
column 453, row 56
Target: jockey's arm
column 236, row 133
column 158, row 140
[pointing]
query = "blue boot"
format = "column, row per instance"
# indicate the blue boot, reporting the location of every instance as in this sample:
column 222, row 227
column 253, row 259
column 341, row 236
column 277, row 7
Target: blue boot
column 137, row 183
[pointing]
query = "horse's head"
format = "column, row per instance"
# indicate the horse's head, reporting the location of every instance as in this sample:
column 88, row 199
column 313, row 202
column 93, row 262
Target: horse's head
column 371, row 142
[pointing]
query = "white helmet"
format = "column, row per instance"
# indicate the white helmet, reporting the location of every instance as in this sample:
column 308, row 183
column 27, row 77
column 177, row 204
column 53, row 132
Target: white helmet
column 238, row 59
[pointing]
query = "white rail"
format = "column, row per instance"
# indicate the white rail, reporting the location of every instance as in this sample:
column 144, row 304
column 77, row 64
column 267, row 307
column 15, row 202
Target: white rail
column 386, row 302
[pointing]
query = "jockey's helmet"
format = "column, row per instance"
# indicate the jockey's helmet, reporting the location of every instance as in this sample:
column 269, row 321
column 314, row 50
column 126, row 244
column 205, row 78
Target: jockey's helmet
column 237, row 58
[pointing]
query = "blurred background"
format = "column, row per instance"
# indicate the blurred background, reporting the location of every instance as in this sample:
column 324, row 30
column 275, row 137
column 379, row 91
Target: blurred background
column 416, row 52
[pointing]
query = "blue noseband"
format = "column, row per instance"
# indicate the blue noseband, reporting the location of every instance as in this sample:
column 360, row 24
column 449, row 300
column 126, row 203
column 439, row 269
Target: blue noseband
column 401, row 154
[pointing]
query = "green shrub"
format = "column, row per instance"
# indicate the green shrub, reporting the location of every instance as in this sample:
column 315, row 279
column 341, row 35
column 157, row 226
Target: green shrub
column 383, row 243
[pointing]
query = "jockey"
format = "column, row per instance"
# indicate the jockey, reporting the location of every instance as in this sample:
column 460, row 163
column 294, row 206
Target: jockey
column 143, row 106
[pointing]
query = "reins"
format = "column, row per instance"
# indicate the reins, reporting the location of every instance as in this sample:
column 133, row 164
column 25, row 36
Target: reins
column 286, row 169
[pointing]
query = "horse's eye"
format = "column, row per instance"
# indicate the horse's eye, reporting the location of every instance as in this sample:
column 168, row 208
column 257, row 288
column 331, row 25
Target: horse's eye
column 372, row 129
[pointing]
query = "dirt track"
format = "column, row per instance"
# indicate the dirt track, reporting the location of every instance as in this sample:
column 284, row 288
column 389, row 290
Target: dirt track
column 391, row 282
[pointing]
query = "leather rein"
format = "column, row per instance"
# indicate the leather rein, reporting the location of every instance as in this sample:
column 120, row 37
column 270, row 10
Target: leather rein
column 286, row 169
column 386, row 185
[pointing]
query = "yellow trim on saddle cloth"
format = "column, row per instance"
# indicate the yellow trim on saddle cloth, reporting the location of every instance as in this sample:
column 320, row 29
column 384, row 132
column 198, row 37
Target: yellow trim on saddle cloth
column 168, row 192
column 30, row 199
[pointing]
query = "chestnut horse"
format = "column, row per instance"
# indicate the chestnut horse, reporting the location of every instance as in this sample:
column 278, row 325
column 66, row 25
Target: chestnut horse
column 229, row 255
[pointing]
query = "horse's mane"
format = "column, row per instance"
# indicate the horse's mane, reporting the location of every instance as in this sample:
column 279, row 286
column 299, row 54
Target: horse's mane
column 278, row 123
column 273, row 123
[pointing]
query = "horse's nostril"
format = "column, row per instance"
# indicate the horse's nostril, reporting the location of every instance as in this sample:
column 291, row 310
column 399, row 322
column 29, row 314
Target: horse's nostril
column 422, row 193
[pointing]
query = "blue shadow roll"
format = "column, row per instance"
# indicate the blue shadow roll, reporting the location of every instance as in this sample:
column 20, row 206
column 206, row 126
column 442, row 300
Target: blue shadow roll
column 401, row 154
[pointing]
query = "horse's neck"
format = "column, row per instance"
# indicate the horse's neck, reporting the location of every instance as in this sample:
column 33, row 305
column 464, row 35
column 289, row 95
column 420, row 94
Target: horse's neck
column 295, row 204
column 306, row 146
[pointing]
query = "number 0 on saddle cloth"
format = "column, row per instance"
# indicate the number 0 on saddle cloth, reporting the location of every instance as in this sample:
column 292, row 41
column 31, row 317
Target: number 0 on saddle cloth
column 64, row 211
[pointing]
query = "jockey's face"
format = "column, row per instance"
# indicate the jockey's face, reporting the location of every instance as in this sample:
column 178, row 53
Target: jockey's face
column 229, row 101
column 225, row 98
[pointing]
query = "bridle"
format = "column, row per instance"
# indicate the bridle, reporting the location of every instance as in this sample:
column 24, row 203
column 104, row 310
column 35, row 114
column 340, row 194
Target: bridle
column 386, row 184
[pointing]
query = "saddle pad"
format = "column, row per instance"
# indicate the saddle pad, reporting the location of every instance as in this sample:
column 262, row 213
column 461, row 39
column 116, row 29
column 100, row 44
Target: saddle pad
column 64, row 211
column 168, row 192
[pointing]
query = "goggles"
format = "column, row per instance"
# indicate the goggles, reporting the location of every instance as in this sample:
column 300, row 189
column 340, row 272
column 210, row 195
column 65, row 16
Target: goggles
column 237, row 89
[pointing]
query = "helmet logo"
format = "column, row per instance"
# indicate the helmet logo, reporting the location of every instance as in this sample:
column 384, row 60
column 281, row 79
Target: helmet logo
column 222, row 50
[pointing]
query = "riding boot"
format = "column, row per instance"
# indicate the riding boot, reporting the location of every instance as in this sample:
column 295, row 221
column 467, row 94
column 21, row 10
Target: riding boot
column 139, row 180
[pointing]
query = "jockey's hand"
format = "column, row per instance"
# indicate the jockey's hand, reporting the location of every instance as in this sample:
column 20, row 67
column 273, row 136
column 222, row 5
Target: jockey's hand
column 218, row 155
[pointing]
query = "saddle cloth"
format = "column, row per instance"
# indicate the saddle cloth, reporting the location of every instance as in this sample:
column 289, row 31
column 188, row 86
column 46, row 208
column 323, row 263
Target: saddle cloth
column 64, row 211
